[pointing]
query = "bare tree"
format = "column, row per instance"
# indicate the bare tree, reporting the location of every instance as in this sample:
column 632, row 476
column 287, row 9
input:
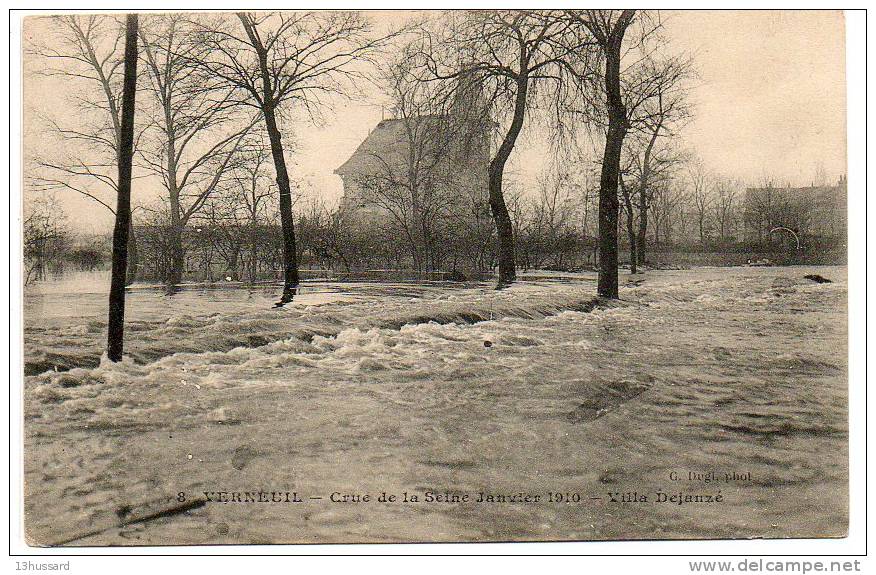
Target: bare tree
column 554, row 213
column 220, row 227
column 282, row 59
column 472, row 236
column 650, row 161
column 332, row 234
column 589, row 209
column 427, row 154
column 509, row 56
column 44, row 234
column 609, row 27
column 195, row 137
column 725, row 206
column 700, row 189
column 760, row 205
column 116, row 322
column 655, row 88
column 668, row 210
column 768, row 207
column 627, row 195
column 87, row 51
column 245, row 203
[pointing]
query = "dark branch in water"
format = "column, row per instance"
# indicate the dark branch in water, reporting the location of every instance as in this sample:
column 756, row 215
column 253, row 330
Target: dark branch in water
column 126, row 519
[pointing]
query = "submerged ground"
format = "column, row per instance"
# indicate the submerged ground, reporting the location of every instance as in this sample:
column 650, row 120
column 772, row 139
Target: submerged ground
column 708, row 403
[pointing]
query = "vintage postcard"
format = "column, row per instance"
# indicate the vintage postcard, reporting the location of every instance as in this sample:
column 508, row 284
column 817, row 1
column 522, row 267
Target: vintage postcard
column 426, row 276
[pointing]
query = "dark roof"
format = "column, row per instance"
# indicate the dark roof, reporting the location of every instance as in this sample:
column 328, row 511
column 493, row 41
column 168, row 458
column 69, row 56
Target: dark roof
column 386, row 139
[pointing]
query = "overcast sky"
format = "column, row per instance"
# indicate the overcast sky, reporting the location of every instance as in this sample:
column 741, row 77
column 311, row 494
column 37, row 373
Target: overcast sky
column 770, row 101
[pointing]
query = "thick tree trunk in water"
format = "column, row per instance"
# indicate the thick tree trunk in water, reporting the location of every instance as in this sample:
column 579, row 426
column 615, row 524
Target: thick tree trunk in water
column 614, row 139
column 268, row 105
column 504, row 229
column 290, row 257
column 116, row 323
column 608, row 207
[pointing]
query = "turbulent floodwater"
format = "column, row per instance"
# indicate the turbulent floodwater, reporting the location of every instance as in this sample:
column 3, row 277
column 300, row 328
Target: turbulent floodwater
column 365, row 389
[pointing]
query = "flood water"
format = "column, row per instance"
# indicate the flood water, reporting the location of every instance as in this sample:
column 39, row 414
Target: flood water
column 459, row 390
column 86, row 295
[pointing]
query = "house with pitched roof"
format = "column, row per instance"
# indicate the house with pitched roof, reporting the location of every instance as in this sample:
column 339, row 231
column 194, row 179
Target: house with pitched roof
column 419, row 162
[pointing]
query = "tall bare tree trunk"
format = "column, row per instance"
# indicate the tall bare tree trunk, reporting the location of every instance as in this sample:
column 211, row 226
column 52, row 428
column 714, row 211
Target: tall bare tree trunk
column 177, row 252
column 644, row 182
column 504, row 228
column 268, row 105
column 177, row 257
column 290, row 256
column 610, row 38
column 608, row 203
column 116, row 323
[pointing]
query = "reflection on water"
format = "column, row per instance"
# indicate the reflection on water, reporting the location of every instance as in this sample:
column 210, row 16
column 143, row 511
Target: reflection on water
column 86, row 294
column 71, row 282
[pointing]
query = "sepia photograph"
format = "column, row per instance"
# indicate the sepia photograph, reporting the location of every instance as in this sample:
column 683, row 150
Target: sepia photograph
column 433, row 276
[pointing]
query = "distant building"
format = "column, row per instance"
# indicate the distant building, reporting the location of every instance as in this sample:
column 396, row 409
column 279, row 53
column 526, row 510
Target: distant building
column 811, row 212
column 420, row 158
